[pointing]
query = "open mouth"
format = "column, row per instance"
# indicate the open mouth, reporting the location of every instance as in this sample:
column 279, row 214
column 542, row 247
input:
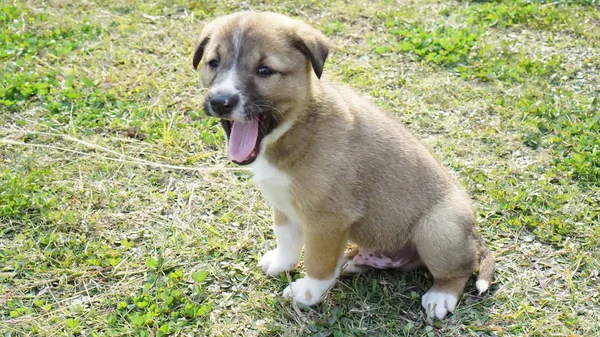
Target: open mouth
column 243, row 138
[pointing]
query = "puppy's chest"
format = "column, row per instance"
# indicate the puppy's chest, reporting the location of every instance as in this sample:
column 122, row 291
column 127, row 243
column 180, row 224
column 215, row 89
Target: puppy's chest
column 275, row 187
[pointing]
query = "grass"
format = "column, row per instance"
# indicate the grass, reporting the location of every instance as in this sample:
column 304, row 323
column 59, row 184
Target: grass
column 121, row 216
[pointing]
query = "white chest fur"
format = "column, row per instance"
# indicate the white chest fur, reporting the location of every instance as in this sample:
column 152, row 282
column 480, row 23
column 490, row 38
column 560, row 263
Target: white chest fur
column 275, row 186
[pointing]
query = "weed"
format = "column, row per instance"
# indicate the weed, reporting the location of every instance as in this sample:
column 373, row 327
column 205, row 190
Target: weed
column 442, row 45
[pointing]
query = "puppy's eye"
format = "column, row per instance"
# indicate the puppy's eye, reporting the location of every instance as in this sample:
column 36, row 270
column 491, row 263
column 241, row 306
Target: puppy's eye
column 213, row 64
column 265, row 71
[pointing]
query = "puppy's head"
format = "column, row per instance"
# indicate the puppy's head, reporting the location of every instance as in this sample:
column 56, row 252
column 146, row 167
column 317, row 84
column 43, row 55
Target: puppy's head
column 257, row 68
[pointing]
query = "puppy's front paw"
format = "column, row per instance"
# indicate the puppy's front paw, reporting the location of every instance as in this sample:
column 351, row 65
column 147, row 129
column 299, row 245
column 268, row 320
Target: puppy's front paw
column 275, row 262
column 308, row 291
column 438, row 303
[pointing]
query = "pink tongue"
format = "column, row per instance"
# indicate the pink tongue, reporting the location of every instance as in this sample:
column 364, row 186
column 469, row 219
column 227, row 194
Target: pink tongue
column 242, row 140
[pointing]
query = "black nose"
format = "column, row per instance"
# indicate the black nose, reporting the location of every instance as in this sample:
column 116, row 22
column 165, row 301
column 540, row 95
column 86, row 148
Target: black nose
column 223, row 104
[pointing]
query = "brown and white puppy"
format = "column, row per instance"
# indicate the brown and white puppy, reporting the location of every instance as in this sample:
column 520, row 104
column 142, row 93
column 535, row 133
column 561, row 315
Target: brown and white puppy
column 333, row 165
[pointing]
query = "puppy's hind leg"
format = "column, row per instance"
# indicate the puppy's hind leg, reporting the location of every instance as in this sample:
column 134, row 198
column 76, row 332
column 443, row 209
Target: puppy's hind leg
column 411, row 265
column 447, row 246
column 443, row 296
column 349, row 266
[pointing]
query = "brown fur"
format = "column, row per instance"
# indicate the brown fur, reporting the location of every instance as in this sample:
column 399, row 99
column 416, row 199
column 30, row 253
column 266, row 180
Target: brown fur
column 357, row 174
column 279, row 218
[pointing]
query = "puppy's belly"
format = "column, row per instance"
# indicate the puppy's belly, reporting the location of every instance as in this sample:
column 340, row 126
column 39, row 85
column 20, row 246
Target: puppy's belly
column 372, row 258
column 383, row 246
column 369, row 257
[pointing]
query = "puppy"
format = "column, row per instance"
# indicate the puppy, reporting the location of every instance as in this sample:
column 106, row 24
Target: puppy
column 333, row 165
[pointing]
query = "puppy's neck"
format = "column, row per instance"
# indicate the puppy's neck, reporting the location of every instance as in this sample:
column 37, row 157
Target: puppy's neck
column 298, row 110
column 291, row 140
column 313, row 93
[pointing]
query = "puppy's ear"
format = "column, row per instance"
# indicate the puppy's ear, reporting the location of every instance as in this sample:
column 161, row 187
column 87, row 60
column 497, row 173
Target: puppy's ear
column 313, row 45
column 205, row 35
column 199, row 52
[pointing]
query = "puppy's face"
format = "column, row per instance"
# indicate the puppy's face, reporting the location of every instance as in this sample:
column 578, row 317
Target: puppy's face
column 257, row 68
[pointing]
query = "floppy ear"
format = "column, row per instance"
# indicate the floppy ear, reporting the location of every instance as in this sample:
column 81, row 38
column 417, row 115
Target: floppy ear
column 207, row 31
column 313, row 45
column 199, row 52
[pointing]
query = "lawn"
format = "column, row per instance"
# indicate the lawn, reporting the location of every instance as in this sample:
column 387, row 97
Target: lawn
column 121, row 216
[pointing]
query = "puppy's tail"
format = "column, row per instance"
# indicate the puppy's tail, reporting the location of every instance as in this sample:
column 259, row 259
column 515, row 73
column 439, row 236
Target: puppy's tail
column 486, row 268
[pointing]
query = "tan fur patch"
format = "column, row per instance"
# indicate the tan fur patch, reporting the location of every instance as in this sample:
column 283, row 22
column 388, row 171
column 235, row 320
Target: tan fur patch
column 308, row 295
column 279, row 218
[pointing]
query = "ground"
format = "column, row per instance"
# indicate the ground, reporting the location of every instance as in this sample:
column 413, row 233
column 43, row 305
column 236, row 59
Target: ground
column 121, row 216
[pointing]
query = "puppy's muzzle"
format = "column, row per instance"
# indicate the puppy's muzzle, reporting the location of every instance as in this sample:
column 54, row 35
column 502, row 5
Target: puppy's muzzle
column 223, row 105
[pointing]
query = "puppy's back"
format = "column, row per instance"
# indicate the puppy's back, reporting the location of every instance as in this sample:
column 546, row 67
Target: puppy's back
column 398, row 176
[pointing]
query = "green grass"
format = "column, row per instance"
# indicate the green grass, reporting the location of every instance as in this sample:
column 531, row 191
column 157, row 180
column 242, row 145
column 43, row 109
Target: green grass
column 111, row 225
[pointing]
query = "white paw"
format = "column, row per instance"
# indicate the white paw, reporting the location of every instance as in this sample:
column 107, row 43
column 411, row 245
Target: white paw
column 274, row 262
column 482, row 286
column 308, row 291
column 438, row 304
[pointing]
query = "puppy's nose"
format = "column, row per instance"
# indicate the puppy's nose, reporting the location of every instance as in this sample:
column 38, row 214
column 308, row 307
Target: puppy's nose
column 224, row 104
